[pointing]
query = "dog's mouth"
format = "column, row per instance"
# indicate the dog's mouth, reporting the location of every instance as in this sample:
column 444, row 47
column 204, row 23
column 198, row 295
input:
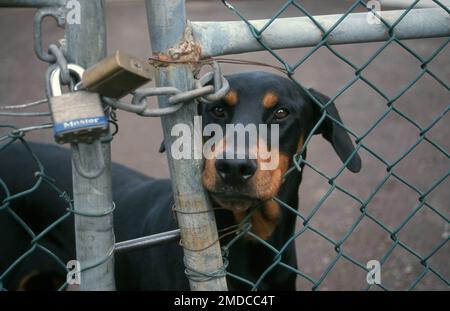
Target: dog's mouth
column 234, row 201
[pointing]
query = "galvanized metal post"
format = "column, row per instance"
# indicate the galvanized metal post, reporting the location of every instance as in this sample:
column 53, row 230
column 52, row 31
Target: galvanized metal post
column 167, row 24
column 86, row 45
column 234, row 37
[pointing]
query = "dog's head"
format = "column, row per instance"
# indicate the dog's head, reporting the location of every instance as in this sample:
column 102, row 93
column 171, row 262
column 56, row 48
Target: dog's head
column 237, row 176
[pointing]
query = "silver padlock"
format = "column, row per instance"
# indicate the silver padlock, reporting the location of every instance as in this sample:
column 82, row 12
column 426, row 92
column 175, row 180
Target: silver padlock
column 78, row 117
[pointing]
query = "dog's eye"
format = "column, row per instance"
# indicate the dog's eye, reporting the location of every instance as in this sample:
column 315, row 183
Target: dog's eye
column 281, row 114
column 218, row 112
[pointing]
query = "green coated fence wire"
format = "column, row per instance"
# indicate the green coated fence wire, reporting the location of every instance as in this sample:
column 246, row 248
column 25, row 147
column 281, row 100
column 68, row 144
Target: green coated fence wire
column 15, row 136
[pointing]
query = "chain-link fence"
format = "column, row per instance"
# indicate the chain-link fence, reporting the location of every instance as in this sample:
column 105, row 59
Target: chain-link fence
column 330, row 33
column 19, row 232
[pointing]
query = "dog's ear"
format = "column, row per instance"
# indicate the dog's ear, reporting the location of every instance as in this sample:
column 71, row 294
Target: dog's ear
column 334, row 133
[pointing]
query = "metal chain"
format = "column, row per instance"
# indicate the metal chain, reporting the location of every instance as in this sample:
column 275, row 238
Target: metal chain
column 210, row 87
column 61, row 61
column 221, row 85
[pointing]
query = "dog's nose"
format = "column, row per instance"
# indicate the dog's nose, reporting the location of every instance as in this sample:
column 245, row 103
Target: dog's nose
column 236, row 171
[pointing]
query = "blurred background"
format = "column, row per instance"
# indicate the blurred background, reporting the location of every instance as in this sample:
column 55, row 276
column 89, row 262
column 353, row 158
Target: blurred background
column 136, row 145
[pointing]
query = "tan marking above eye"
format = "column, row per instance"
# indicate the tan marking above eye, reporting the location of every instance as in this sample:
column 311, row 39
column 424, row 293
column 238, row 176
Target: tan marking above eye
column 270, row 99
column 231, row 98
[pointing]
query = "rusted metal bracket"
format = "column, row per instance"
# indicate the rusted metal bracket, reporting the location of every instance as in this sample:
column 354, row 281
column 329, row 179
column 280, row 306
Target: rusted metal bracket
column 186, row 52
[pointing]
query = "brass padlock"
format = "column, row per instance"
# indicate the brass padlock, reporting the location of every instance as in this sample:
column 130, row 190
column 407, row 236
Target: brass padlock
column 78, row 117
column 117, row 75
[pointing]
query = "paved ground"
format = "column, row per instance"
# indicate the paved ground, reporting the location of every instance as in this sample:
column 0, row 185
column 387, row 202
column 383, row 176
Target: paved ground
column 136, row 145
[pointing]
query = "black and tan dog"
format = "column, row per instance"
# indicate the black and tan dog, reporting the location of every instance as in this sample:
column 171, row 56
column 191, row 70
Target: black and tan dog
column 143, row 204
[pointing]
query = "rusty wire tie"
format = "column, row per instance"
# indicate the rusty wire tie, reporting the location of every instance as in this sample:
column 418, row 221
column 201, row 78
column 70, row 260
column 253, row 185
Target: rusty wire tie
column 200, row 276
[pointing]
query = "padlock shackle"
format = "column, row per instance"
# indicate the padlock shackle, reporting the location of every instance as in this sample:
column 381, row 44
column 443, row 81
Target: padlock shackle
column 55, row 82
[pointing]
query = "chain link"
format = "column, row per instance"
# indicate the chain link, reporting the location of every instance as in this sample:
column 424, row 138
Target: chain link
column 221, row 85
column 211, row 87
